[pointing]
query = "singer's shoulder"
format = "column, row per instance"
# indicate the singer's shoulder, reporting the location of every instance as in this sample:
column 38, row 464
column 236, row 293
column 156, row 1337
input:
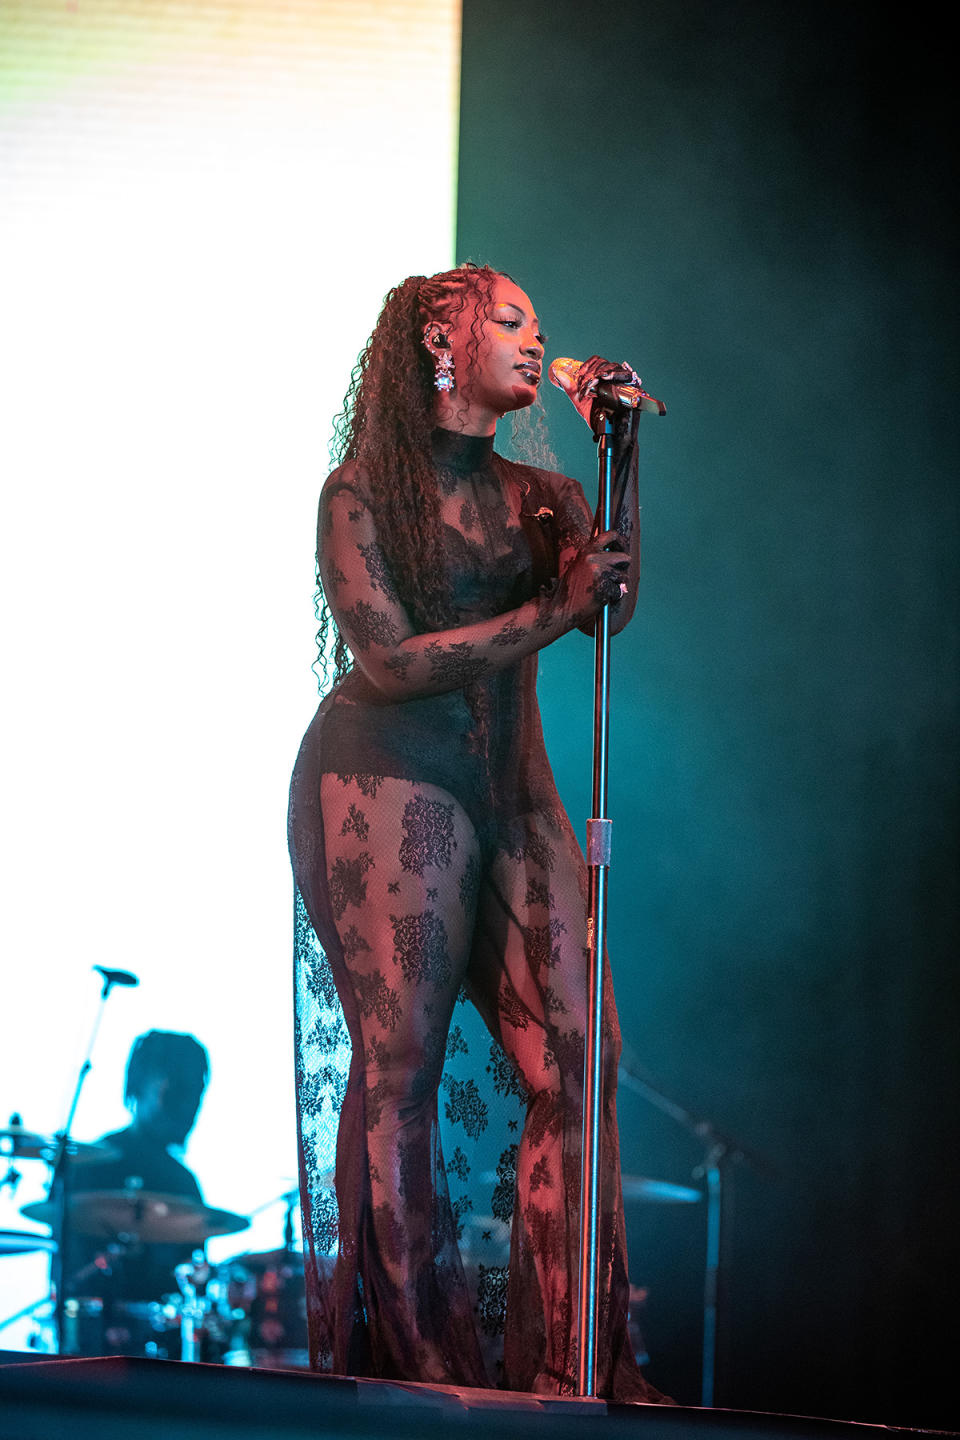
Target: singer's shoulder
column 538, row 474
column 349, row 478
column 549, row 487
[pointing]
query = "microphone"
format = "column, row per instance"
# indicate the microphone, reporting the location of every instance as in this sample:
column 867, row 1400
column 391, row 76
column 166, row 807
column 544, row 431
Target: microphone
column 115, row 977
column 608, row 394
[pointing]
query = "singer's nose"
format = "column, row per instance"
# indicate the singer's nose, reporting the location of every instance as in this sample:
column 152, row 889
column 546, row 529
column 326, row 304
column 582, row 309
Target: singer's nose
column 534, row 348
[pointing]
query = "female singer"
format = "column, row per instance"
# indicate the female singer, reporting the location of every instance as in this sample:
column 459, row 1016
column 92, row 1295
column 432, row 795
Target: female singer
column 432, row 855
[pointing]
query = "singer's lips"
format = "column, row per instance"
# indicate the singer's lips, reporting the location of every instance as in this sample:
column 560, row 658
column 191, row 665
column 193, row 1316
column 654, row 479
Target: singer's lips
column 532, row 372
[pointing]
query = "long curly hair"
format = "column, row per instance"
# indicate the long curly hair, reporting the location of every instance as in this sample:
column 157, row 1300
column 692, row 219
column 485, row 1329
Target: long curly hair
column 385, row 426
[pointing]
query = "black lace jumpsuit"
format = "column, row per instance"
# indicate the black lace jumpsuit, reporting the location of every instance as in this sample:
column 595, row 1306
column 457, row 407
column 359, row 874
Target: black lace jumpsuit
column 433, row 862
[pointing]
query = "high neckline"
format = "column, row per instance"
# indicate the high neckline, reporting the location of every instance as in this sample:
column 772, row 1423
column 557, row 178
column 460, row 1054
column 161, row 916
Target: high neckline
column 466, row 453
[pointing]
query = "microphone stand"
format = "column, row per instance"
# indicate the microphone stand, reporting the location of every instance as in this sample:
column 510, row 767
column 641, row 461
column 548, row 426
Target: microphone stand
column 720, row 1153
column 599, row 828
column 59, row 1188
column 607, row 407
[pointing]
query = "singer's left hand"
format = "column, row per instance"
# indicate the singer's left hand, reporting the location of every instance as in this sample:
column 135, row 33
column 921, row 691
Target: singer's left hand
column 594, row 370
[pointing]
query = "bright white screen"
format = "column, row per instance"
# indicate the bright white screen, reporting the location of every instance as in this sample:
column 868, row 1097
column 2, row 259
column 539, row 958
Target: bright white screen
column 201, row 207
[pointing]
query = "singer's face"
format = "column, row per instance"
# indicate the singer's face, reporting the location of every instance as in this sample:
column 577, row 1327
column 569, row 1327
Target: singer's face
column 508, row 365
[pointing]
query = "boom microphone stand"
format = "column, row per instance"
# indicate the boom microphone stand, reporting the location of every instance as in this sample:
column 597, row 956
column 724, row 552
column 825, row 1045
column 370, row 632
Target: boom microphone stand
column 60, row 1177
column 721, row 1152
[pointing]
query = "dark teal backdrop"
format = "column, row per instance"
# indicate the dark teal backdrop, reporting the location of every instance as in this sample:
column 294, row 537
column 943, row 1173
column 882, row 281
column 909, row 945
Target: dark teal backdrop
column 751, row 203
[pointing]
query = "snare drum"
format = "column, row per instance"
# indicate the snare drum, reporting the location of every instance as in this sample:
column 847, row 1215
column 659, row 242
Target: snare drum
column 268, row 1290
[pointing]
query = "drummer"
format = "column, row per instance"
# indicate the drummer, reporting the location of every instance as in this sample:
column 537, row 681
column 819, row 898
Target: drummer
column 166, row 1077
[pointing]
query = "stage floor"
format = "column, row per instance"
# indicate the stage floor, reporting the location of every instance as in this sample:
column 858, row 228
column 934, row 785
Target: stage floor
column 114, row 1397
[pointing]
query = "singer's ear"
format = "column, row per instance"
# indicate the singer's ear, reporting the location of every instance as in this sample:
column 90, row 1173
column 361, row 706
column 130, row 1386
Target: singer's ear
column 435, row 339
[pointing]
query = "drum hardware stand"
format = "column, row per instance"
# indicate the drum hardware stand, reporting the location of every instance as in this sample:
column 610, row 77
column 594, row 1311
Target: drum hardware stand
column 12, row 1179
column 291, row 1200
column 599, row 846
column 192, row 1278
column 720, row 1153
column 60, row 1178
column 30, row 1309
column 13, row 1176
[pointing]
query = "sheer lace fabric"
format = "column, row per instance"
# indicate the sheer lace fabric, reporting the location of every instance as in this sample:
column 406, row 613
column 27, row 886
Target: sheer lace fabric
column 440, row 965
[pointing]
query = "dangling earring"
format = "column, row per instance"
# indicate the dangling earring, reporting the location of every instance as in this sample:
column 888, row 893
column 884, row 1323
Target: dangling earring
column 442, row 360
column 443, row 379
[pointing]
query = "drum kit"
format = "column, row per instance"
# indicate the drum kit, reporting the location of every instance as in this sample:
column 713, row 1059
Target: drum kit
column 248, row 1310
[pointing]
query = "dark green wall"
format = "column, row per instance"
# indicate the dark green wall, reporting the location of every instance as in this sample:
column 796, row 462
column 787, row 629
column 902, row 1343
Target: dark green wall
column 750, row 202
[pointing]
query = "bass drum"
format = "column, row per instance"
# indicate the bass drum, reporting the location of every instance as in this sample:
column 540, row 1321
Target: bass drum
column 267, row 1289
column 96, row 1326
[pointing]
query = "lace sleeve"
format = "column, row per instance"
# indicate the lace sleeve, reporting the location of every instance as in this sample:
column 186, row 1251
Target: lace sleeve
column 575, row 523
column 402, row 664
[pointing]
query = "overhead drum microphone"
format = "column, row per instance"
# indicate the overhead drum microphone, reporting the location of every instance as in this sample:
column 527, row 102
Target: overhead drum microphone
column 115, row 977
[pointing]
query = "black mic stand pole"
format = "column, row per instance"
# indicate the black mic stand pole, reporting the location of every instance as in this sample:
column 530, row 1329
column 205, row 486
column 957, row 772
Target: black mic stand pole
column 599, row 829
column 623, row 403
column 60, row 1180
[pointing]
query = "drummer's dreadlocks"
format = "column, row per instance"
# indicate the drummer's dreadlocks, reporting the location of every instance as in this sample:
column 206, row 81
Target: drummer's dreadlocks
column 164, row 1052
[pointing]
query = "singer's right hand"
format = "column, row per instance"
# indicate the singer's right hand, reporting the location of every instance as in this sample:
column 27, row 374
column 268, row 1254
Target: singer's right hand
column 594, row 577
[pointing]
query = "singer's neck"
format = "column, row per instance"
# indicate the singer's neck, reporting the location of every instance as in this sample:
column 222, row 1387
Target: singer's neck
column 450, row 413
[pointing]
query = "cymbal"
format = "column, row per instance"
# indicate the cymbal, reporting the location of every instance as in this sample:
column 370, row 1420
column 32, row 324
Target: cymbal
column 21, row 1144
column 20, row 1242
column 143, row 1215
column 268, row 1259
column 24, row 1144
column 663, row 1192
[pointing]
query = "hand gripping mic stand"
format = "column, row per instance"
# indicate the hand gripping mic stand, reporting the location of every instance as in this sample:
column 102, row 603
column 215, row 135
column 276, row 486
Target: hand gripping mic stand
column 599, row 828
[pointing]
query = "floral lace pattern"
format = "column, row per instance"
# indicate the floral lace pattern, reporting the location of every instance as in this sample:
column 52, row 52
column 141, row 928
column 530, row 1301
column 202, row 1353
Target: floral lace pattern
column 440, row 975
